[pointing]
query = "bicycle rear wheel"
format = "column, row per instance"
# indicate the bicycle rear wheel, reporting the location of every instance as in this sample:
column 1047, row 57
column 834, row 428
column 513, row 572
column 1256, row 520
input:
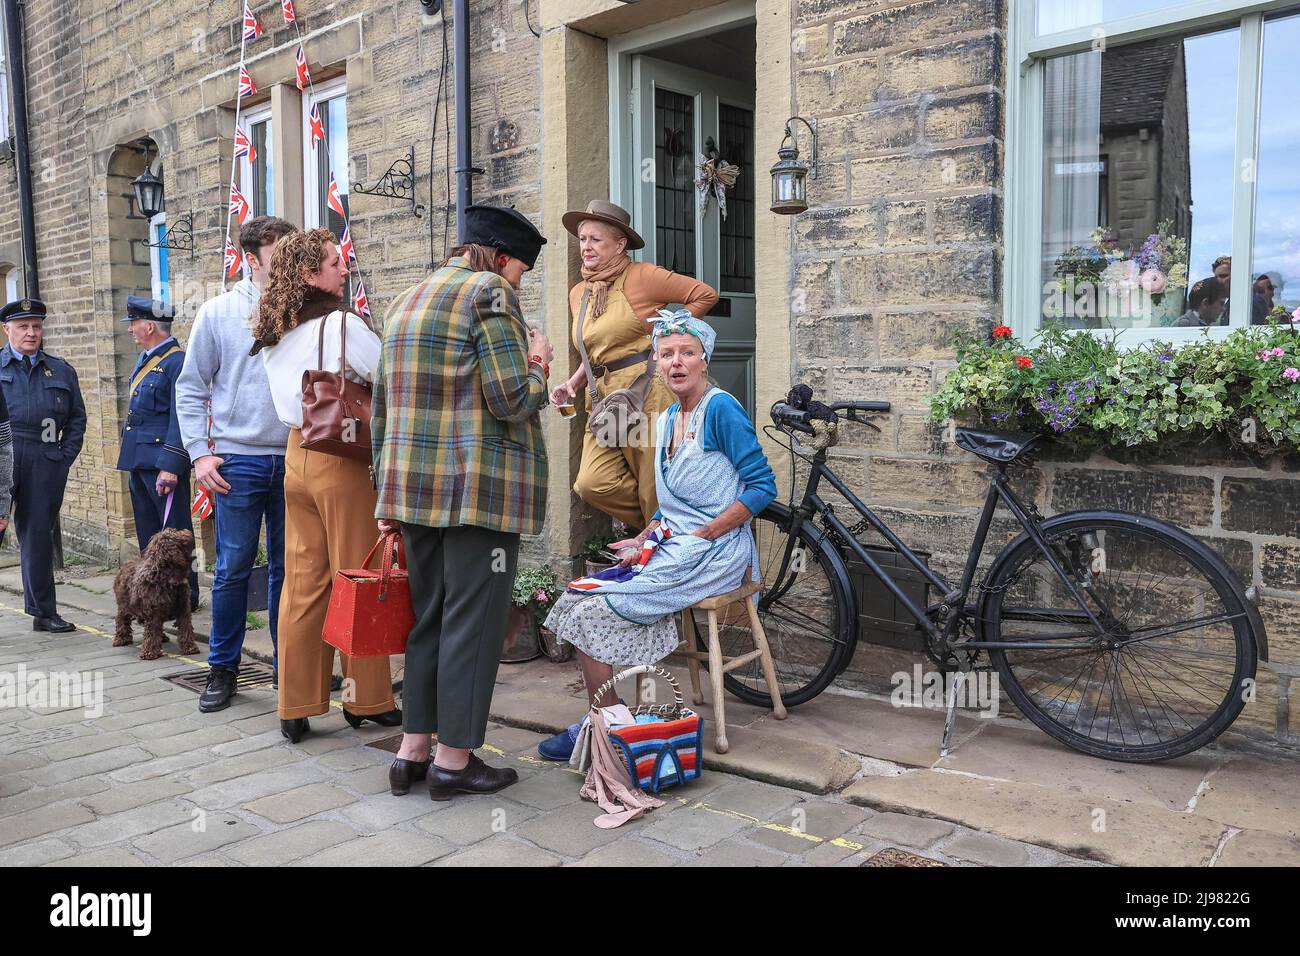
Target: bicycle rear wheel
column 1168, row 670
column 805, row 615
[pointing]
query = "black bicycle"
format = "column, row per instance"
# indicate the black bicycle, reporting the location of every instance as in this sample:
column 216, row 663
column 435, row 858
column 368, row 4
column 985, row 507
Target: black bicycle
column 1119, row 634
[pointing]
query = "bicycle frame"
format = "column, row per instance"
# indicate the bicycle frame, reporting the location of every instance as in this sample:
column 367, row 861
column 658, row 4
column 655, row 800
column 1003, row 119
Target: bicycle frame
column 953, row 598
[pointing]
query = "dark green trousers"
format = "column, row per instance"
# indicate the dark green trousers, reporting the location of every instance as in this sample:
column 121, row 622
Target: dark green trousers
column 461, row 579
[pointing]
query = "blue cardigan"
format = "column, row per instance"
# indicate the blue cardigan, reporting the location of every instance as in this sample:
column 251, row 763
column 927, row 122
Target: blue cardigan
column 727, row 428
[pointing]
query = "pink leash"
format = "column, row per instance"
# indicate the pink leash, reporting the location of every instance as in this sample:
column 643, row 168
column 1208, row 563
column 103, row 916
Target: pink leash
column 167, row 509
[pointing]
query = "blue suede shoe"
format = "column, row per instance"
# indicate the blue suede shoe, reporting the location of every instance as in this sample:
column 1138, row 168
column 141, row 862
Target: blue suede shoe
column 560, row 747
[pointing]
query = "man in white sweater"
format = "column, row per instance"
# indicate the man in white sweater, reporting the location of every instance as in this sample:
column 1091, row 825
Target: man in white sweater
column 239, row 459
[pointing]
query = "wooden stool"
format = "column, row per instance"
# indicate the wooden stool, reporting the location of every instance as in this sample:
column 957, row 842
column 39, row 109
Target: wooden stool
column 719, row 665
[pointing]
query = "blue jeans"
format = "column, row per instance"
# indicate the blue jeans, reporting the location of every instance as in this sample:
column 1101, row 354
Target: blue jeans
column 256, row 493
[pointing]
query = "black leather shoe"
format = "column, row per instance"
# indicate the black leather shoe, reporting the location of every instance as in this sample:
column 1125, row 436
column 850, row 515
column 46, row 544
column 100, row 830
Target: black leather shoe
column 54, row 624
column 294, row 729
column 402, row 772
column 477, row 777
column 392, row 718
column 221, row 687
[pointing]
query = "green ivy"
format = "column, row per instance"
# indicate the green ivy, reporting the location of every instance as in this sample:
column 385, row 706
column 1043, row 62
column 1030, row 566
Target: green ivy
column 1088, row 390
column 532, row 582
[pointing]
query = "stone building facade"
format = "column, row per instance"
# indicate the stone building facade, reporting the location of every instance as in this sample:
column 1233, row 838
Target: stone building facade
column 903, row 245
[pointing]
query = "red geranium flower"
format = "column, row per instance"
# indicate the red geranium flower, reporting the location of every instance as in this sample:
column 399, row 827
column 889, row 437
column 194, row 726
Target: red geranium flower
column 1024, row 361
column 1002, row 332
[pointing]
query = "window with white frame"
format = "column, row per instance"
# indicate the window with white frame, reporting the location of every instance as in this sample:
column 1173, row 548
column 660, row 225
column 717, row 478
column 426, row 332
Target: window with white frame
column 10, row 276
column 321, row 158
column 257, row 177
column 158, row 258
column 1151, row 182
column 4, row 87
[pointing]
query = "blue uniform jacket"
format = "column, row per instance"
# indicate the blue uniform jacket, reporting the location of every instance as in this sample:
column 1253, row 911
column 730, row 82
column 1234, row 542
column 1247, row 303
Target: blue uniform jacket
column 48, row 393
column 151, row 438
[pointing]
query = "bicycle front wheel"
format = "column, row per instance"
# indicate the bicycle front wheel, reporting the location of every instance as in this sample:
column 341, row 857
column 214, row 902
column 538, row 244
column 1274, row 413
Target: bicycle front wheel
column 805, row 615
column 1156, row 661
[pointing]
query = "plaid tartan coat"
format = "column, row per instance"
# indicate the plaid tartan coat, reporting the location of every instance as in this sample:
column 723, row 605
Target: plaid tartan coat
column 455, row 429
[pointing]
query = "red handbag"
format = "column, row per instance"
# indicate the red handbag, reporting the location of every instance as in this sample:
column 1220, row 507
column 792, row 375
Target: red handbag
column 370, row 612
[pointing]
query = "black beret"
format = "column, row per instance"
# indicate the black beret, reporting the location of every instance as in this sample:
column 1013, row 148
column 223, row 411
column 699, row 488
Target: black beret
column 138, row 307
column 504, row 228
column 23, row 309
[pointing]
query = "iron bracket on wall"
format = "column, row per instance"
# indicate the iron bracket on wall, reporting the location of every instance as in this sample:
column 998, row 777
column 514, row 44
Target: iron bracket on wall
column 397, row 183
column 179, row 238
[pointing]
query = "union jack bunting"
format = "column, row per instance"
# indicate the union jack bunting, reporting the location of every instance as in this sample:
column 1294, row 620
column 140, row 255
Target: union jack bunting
column 246, row 85
column 333, row 199
column 243, row 147
column 345, row 246
column 286, row 7
column 202, row 506
column 304, row 78
column 252, row 29
column 360, row 300
column 238, row 204
column 317, row 129
column 232, row 259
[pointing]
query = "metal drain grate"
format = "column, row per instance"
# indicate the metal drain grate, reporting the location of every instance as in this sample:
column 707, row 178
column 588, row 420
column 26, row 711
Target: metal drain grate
column 390, row 744
column 252, row 675
column 892, row 856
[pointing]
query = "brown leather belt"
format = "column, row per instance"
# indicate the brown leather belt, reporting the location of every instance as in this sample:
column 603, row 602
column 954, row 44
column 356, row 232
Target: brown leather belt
column 600, row 371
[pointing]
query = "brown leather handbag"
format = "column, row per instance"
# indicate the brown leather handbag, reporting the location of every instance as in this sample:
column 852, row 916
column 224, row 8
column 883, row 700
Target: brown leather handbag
column 335, row 409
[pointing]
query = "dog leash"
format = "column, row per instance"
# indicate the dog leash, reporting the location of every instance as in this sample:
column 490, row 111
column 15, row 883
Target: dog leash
column 167, row 508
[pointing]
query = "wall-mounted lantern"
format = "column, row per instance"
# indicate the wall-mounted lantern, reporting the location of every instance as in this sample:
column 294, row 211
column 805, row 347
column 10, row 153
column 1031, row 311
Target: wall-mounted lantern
column 149, row 197
column 789, row 175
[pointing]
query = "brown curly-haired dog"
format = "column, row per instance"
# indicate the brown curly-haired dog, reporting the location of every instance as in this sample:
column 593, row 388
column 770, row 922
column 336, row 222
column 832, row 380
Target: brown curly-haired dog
column 155, row 588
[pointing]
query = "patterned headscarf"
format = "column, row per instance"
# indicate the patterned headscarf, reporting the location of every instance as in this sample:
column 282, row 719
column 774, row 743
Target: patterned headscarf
column 682, row 322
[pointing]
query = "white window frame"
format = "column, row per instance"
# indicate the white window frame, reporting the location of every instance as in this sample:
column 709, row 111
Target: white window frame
column 1027, row 54
column 157, row 230
column 247, row 120
column 10, row 277
column 316, row 93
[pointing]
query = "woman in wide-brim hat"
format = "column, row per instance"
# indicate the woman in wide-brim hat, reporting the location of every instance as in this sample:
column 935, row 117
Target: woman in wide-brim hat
column 616, row 301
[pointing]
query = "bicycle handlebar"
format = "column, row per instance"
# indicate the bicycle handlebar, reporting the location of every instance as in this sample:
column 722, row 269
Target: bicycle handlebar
column 786, row 416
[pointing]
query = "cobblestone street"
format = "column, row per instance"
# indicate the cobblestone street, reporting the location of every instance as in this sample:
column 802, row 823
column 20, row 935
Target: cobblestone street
column 151, row 781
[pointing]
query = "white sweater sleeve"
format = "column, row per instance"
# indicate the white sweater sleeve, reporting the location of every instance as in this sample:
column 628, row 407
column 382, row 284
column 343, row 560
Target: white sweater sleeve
column 363, row 349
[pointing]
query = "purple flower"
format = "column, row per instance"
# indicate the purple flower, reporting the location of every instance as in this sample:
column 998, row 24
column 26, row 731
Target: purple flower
column 1292, row 373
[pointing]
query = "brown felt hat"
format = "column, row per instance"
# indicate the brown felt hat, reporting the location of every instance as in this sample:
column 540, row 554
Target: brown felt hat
column 603, row 211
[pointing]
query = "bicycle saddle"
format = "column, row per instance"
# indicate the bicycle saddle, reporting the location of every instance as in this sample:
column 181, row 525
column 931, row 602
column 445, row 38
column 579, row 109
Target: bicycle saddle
column 996, row 447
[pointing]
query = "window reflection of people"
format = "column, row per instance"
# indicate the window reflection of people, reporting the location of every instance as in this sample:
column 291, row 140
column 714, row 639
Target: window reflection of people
column 1264, row 296
column 1222, row 269
column 1205, row 304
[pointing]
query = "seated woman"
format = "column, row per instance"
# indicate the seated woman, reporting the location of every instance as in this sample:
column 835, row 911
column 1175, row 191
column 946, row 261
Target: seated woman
column 711, row 477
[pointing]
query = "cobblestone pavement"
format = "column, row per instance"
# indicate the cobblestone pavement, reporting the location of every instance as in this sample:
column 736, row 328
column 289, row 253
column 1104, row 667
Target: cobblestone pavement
column 145, row 779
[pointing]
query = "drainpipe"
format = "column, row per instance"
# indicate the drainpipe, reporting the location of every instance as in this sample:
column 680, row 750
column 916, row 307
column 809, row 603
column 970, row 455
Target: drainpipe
column 22, row 158
column 464, row 171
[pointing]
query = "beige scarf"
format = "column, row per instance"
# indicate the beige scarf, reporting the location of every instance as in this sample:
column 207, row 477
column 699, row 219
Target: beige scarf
column 600, row 280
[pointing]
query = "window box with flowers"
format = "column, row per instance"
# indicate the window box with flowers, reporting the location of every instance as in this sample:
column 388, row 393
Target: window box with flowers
column 1088, row 390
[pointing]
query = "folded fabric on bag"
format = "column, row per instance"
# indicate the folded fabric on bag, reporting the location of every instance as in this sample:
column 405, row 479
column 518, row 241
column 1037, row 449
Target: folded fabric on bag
column 620, row 573
column 607, row 782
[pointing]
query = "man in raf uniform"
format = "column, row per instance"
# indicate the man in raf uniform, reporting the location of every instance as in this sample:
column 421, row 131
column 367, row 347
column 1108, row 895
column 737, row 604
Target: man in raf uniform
column 49, row 422
column 152, row 452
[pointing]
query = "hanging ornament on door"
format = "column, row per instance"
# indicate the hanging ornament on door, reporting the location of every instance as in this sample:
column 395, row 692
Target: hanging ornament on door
column 713, row 177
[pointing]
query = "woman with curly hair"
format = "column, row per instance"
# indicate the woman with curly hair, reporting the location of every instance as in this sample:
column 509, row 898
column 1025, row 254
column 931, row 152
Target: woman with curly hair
column 329, row 500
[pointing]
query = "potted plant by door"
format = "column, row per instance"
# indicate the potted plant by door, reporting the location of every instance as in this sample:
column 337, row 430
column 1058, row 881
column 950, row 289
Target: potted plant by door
column 546, row 590
column 594, row 556
column 259, row 582
column 522, row 642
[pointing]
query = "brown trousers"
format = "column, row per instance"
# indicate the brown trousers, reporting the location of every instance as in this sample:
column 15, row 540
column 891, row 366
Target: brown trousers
column 329, row 524
column 621, row 481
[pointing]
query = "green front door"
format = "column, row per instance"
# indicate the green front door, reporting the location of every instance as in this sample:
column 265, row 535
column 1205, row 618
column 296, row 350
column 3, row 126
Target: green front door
column 678, row 114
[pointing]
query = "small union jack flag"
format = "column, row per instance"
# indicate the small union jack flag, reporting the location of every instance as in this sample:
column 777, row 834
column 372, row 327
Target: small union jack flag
column 333, row 199
column 232, row 258
column 252, row 29
column 360, row 300
column 202, row 506
column 304, row 78
column 317, row 129
column 238, row 204
column 243, row 147
column 345, row 246
column 286, row 7
column 246, row 85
